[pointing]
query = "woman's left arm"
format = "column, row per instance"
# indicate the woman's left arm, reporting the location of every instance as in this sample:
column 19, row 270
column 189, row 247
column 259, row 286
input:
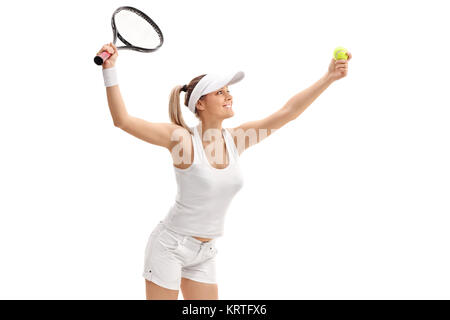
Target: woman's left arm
column 258, row 130
column 298, row 103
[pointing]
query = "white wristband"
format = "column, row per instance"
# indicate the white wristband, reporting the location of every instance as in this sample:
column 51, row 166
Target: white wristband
column 110, row 77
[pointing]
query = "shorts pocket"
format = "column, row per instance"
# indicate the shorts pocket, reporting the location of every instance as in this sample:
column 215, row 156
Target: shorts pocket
column 170, row 241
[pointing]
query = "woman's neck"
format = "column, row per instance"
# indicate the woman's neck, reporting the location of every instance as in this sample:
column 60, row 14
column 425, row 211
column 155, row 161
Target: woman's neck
column 207, row 130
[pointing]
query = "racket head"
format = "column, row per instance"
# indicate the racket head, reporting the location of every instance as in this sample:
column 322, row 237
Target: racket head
column 126, row 37
column 141, row 25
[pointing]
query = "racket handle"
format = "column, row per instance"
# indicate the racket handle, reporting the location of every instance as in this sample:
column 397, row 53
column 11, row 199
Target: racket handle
column 102, row 57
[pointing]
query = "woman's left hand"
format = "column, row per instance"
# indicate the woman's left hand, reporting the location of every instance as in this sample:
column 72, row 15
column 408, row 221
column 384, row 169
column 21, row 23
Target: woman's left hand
column 338, row 68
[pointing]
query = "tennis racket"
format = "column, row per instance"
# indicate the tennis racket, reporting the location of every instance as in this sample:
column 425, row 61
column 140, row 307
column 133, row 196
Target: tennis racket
column 135, row 29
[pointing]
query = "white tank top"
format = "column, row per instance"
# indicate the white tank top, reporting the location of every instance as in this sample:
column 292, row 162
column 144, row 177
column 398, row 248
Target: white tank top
column 204, row 192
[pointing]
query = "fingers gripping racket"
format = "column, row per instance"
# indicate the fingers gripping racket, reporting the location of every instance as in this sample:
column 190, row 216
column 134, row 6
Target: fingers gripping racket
column 136, row 30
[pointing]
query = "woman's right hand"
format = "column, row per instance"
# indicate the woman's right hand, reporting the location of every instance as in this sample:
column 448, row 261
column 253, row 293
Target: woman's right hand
column 111, row 61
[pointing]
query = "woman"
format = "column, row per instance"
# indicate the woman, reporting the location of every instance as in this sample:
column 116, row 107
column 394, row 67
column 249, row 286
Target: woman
column 181, row 250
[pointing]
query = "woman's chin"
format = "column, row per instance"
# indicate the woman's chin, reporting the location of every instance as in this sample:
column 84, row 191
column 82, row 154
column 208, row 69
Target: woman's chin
column 230, row 114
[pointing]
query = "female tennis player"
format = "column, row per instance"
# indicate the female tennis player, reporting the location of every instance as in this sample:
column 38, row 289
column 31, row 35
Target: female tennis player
column 181, row 251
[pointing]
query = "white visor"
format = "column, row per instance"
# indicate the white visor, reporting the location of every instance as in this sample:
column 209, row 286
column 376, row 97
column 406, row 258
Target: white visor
column 212, row 82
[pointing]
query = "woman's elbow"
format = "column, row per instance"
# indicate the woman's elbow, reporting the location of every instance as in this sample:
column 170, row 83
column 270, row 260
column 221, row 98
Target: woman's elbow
column 119, row 122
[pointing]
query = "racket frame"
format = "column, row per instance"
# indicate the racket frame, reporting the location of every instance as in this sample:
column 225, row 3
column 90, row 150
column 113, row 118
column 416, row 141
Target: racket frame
column 103, row 56
column 128, row 45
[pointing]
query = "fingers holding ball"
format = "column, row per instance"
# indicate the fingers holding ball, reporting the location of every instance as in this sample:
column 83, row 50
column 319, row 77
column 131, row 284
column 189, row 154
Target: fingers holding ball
column 341, row 57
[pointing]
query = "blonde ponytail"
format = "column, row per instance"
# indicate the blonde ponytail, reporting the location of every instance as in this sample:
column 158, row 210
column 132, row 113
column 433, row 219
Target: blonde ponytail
column 175, row 114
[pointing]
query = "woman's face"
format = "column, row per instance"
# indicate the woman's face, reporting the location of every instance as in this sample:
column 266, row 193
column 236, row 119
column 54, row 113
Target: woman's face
column 217, row 104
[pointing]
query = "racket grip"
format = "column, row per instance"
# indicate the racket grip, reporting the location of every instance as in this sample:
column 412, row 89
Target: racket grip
column 102, row 57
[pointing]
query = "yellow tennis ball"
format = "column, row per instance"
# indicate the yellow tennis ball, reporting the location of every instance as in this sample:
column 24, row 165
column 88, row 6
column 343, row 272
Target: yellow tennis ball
column 340, row 53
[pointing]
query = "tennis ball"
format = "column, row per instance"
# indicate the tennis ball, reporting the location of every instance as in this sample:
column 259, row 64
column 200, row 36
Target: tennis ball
column 340, row 53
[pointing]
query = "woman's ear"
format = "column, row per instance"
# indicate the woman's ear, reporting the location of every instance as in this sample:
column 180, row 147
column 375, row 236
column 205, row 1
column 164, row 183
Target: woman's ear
column 200, row 105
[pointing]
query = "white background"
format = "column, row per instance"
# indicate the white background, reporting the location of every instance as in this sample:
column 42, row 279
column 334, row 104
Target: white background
column 348, row 201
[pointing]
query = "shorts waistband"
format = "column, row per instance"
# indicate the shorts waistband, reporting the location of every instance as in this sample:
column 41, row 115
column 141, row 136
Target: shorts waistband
column 186, row 239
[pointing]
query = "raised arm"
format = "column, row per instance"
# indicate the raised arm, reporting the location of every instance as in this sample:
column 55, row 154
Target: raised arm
column 253, row 132
column 155, row 133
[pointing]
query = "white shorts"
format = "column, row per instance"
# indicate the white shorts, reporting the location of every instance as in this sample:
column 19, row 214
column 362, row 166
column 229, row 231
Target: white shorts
column 169, row 256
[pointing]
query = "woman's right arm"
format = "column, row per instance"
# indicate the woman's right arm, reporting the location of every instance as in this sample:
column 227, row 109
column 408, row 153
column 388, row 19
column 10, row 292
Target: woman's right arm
column 116, row 105
column 161, row 133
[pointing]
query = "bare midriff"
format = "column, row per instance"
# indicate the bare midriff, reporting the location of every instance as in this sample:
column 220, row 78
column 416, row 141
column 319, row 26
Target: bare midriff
column 202, row 239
